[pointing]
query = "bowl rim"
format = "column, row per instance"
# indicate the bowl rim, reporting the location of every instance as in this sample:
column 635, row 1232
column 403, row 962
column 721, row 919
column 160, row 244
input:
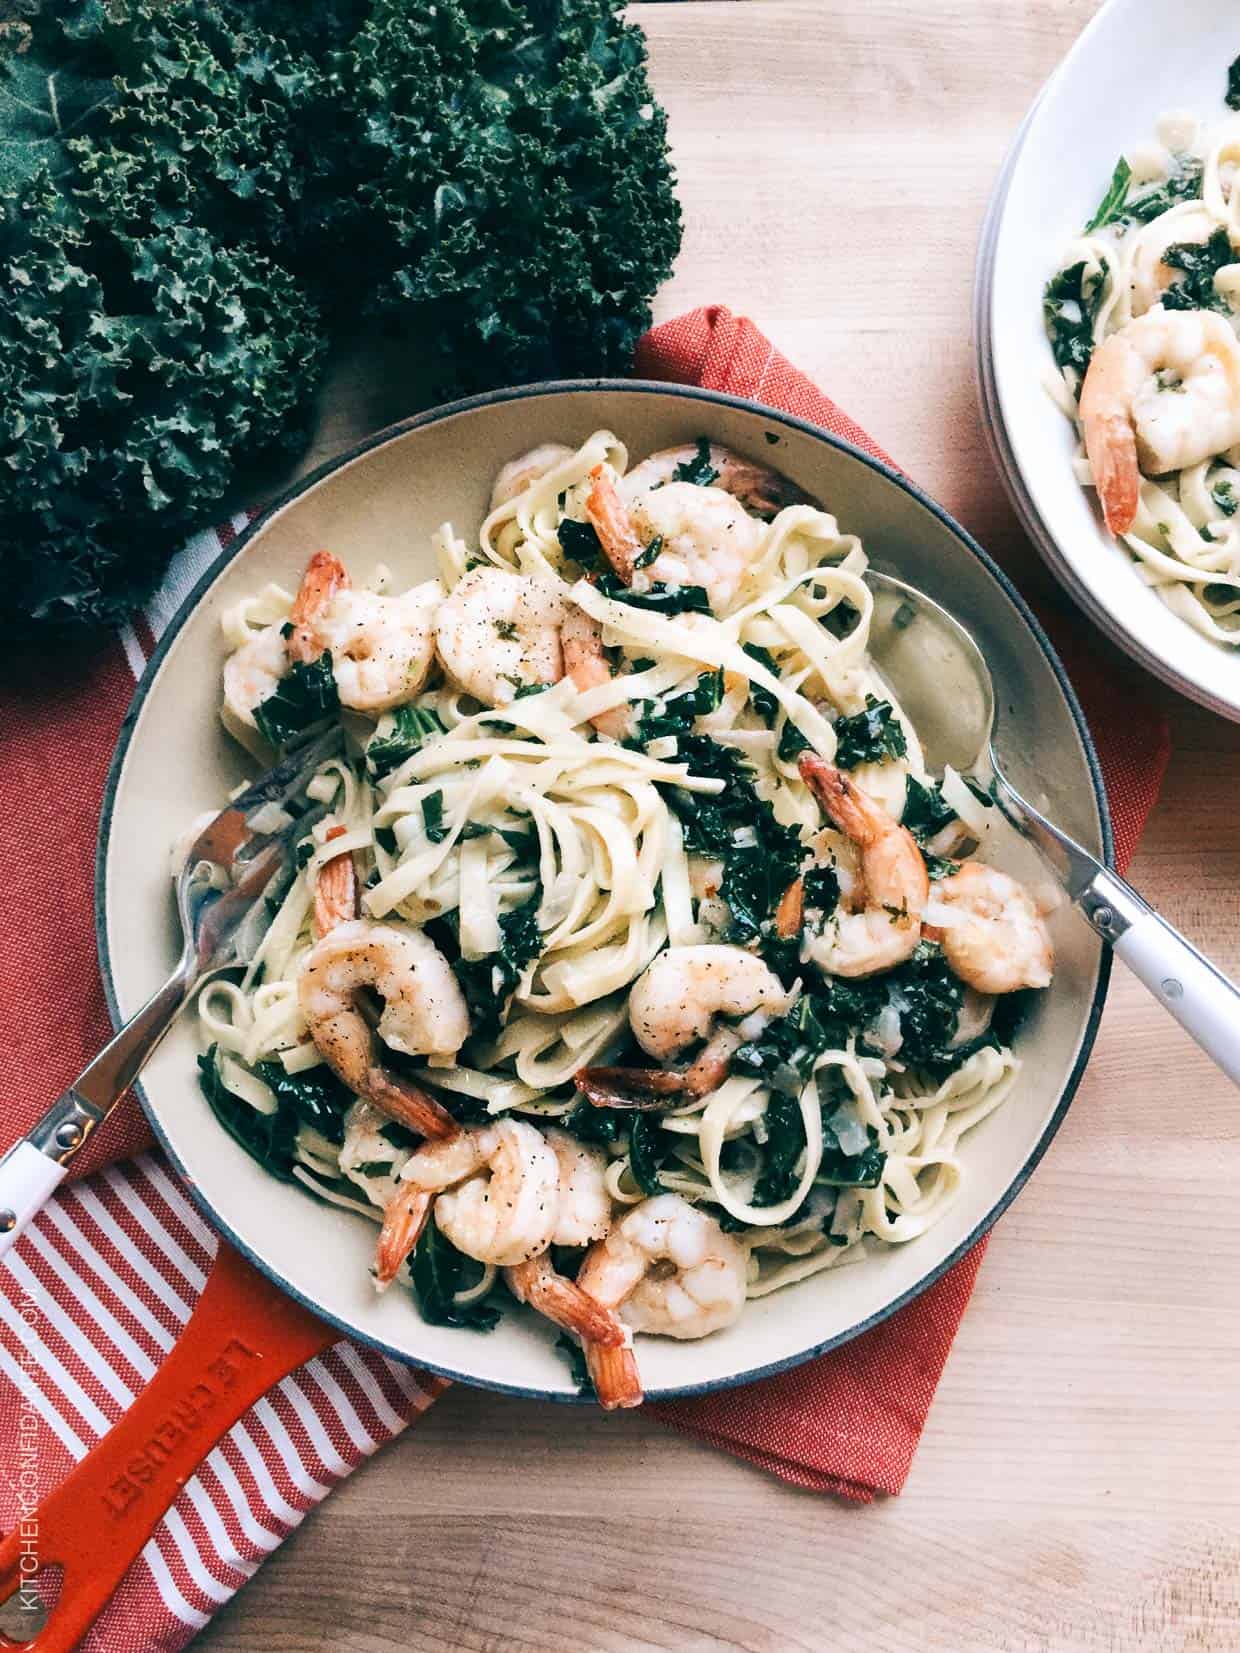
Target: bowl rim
column 1018, row 483
column 400, row 428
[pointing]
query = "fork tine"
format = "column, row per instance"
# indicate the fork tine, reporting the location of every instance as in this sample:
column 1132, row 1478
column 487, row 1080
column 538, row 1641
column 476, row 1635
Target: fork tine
column 222, row 839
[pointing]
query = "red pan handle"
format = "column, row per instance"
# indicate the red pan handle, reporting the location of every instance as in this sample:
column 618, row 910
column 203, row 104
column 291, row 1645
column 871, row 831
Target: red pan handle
column 243, row 1336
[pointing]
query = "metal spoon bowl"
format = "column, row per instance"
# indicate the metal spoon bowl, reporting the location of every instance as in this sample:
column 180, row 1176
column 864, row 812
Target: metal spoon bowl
column 938, row 673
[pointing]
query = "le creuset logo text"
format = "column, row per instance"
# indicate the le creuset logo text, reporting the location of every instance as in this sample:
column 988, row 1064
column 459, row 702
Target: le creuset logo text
column 180, row 1420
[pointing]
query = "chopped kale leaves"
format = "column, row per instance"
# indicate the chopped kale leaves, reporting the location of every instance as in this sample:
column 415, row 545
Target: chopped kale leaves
column 410, row 728
column 1069, row 306
column 699, row 469
column 432, row 817
column 869, row 736
column 488, row 983
column 1200, row 264
column 580, row 542
column 925, row 810
column 306, row 696
column 660, row 599
column 439, row 1271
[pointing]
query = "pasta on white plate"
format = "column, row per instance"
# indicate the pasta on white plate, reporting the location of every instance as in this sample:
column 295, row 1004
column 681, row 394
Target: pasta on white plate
column 1143, row 317
column 637, row 966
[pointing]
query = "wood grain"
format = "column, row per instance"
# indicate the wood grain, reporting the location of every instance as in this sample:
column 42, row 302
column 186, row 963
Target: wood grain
column 1076, row 1487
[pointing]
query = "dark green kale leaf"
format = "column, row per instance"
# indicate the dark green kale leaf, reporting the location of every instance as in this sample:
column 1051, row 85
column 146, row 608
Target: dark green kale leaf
column 869, row 736
column 785, row 1143
column 600, row 1125
column 1111, row 208
column 1225, row 497
column 572, row 1352
column 643, row 559
column 1069, row 306
column 268, row 1138
column 432, row 817
column 791, row 741
column 649, row 1148
column 315, row 1098
column 759, row 867
column 305, row 696
column 439, row 1271
column 488, row 983
column 679, row 713
column 1120, row 206
column 660, row 599
column 411, row 727
column 925, row 810
column 1184, row 184
column 580, row 541
column 821, row 889
column 763, row 701
column 1200, row 264
column 699, row 469
column 1232, row 99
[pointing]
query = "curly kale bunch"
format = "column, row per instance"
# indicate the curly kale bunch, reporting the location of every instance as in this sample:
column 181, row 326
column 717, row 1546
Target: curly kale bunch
column 511, row 184
column 193, row 191
column 149, row 334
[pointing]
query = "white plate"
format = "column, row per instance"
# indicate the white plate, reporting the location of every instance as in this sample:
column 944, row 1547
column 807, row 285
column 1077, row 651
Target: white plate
column 1136, row 60
column 381, row 503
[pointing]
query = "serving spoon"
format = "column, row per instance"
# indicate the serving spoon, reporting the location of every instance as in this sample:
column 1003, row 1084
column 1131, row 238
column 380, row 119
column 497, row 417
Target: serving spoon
column 937, row 671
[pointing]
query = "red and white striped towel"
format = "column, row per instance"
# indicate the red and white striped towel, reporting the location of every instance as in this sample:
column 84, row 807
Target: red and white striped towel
column 99, row 1288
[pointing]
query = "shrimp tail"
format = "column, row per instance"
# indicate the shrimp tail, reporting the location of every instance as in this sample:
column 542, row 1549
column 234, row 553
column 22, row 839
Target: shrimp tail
column 564, row 1303
column 335, row 889
column 609, row 517
column 628, row 1087
column 710, row 1067
column 613, row 1371
column 1111, row 444
column 790, row 914
column 408, row 1104
column 325, row 575
column 840, row 799
column 403, row 1222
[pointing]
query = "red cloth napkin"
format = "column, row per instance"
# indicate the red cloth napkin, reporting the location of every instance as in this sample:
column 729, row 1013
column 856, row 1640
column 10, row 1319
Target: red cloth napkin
column 101, row 1285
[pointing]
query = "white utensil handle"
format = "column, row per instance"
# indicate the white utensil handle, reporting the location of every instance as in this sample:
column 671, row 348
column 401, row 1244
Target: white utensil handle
column 1204, row 1003
column 1202, row 1000
column 28, row 1178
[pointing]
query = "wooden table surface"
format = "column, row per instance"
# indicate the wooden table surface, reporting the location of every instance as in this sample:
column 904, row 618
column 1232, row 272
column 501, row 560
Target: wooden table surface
column 1076, row 1487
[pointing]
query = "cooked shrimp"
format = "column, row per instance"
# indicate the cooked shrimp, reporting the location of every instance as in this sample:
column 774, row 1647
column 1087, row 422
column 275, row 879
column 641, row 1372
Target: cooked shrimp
column 666, row 1268
column 498, row 632
column 526, row 469
column 758, row 488
column 584, row 1210
column 993, row 935
column 583, row 1215
column 1161, row 394
column 706, row 533
column 673, row 1005
column 335, row 889
column 498, row 1188
column 585, row 661
column 676, row 1001
column 382, row 647
column 423, row 1013
column 882, row 932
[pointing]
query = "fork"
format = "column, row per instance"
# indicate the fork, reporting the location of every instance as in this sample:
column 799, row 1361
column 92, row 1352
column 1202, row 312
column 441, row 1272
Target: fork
column 241, row 855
